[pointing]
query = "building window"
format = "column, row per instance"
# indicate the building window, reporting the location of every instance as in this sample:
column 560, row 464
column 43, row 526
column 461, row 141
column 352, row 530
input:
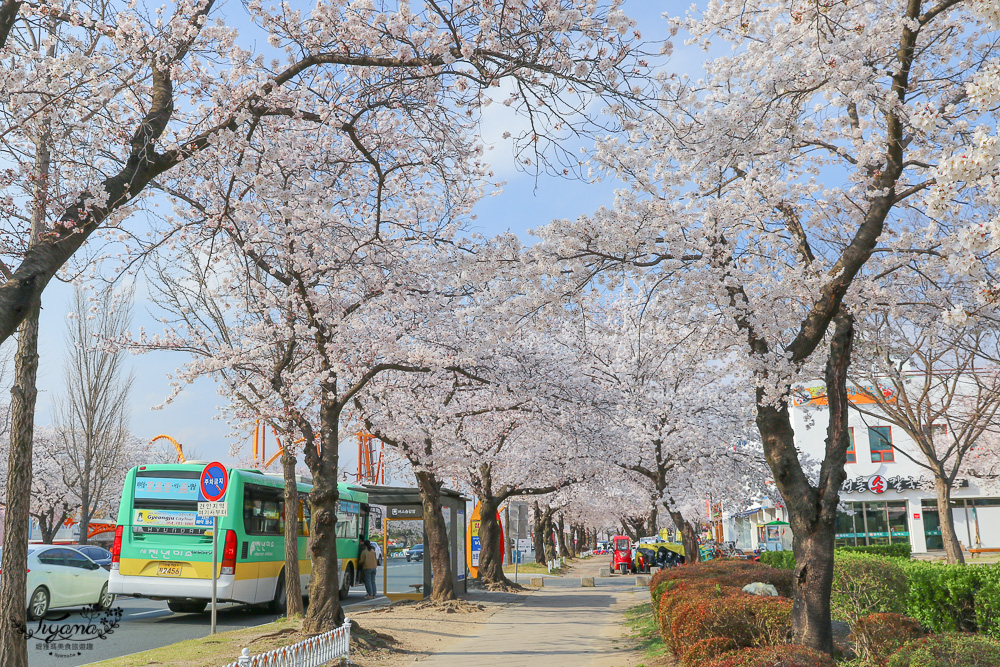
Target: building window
column 852, row 456
column 880, row 441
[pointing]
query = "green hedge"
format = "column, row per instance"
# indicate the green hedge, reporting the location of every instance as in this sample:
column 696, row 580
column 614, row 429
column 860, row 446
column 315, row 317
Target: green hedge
column 944, row 598
column 955, row 598
column 785, row 560
column 947, row 650
column 897, row 550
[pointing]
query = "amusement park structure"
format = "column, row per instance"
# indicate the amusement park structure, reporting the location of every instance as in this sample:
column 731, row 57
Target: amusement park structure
column 177, row 446
column 371, row 469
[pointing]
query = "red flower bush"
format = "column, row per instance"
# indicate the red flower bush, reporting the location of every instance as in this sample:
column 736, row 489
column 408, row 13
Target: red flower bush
column 746, row 619
column 705, row 650
column 877, row 636
column 786, row 655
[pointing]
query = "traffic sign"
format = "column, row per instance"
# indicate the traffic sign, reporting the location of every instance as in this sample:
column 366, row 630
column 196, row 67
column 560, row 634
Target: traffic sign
column 214, row 480
column 213, row 508
column 524, row 545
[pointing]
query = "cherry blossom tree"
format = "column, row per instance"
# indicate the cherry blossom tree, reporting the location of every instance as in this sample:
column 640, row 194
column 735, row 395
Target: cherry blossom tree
column 371, row 78
column 781, row 195
column 676, row 402
column 51, row 500
column 405, row 410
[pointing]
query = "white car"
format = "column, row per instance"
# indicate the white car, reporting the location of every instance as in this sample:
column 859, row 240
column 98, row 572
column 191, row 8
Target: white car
column 60, row 576
column 378, row 551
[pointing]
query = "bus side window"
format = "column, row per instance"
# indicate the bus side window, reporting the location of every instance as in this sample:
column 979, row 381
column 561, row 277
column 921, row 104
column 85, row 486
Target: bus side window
column 263, row 507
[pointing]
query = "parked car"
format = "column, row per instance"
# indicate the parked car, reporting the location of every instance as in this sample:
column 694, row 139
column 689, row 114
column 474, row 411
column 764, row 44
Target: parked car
column 378, row 550
column 99, row 555
column 61, row 576
column 415, row 553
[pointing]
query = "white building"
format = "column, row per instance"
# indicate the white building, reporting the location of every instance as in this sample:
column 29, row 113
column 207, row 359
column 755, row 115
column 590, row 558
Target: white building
column 888, row 496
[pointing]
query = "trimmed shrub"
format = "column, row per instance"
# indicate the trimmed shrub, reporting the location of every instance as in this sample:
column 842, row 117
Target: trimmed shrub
column 786, row 655
column 746, row 619
column 895, row 550
column 704, row 650
column 783, row 560
column 878, row 636
column 864, row 585
column 943, row 597
column 786, row 559
column 952, row 649
column 987, row 602
column 657, row 592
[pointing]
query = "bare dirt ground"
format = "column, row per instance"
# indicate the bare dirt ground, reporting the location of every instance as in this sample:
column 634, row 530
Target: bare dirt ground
column 409, row 631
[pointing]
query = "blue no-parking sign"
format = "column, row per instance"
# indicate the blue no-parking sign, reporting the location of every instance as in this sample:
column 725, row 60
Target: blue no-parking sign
column 214, row 480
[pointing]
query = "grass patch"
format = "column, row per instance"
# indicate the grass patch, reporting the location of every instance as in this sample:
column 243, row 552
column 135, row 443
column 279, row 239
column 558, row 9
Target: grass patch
column 643, row 629
column 529, row 568
column 219, row 649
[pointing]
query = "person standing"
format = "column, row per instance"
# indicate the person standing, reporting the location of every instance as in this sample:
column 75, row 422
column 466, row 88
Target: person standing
column 369, row 565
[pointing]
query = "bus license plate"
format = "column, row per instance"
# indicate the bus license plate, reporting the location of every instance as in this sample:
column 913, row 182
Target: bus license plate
column 168, row 570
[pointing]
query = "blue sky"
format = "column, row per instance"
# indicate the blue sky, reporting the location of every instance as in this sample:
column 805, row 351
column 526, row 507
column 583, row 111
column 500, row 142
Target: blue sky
column 191, row 419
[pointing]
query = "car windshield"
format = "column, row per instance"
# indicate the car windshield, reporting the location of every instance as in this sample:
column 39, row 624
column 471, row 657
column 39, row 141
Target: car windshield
column 621, row 545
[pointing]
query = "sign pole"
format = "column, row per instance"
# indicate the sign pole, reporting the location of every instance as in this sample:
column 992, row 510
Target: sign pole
column 215, row 572
column 516, row 561
column 214, row 482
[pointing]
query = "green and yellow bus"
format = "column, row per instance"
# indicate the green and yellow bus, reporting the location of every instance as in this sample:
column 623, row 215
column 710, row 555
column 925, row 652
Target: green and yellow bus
column 163, row 548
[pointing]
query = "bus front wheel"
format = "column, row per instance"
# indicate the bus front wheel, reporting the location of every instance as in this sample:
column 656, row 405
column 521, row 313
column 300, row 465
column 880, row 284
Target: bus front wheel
column 345, row 586
column 186, row 606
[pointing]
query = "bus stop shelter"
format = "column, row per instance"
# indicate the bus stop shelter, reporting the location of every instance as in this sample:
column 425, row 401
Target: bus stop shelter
column 403, row 504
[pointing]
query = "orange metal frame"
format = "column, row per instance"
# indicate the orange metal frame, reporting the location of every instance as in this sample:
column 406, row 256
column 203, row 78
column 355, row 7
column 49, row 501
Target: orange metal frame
column 177, row 446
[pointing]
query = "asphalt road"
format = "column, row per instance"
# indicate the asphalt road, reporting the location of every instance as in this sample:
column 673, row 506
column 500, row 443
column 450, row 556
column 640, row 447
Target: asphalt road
column 146, row 624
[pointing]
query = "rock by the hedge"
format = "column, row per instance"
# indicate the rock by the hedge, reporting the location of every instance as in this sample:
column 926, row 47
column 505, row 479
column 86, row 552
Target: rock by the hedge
column 642, row 580
column 653, row 570
column 758, row 588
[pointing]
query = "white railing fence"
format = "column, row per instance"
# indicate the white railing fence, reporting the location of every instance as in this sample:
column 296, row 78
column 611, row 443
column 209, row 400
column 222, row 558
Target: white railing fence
column 312, row 652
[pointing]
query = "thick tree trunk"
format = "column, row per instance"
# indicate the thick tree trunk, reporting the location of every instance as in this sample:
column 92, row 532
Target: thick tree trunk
column 952, row 549
column 539, row 520
column 293, row 585
column 324, row 612
column 14, row 561
column 436, row 548
column 13, row 583
column 84, row 505
column 550, row 545
column 561, row 534
column 490, row 559
column 689, row 536
column 812, row 511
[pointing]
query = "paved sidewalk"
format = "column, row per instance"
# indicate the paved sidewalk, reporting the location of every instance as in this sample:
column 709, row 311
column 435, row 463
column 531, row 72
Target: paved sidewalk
column 555, row 626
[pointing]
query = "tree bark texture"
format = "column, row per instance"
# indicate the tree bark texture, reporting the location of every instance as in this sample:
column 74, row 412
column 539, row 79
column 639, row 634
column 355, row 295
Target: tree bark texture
column 539, row 526
column 549, row 534
column 561, row 533
column 812, row 511
column 293, row 585
column 14, row 561
column 13, row 583
column 689, row 536
column 952, row 549
column 436, row 548
column 490, row 558
column 324, row 612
